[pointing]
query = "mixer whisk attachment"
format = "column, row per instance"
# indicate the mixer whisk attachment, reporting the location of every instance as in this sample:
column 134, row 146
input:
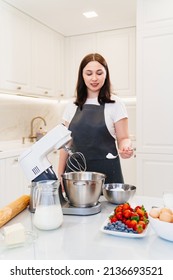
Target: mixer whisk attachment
column 76, row 161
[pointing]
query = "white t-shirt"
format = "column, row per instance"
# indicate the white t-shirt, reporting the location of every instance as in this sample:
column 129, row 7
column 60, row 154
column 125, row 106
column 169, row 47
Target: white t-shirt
column 113, row 112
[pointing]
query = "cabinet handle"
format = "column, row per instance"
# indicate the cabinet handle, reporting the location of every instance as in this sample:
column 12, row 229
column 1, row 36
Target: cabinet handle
column 15, row 160
column 134, row 149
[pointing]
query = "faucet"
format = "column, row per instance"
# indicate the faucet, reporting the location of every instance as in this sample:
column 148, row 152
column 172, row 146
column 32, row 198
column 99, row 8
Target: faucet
column 32, row 136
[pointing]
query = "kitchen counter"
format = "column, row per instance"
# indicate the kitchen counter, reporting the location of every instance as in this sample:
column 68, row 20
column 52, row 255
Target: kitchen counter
column 80, row 237
column 13, row 148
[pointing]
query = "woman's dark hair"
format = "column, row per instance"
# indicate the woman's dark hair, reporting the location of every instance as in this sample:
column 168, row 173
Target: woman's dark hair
column 81, row 89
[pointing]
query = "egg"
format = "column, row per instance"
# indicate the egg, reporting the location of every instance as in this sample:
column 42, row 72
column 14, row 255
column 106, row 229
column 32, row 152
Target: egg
column 166, row 210
column 165, row 217
column 155, row 212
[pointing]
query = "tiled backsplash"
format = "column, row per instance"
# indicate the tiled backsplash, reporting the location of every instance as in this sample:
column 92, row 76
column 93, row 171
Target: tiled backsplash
column 16, row 115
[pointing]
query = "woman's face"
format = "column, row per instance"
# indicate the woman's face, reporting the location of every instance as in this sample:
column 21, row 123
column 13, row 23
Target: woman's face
column 94, row 75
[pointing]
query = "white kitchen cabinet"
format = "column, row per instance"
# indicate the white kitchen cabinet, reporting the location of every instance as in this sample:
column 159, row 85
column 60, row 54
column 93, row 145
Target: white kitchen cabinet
column 45, row 63
column 118, row 48
column 76, row 48
column 14, row 179
column 154, row 97
column 14, row 183
column 154, row 174
column 15, row 50
column 59, row 65
column 31, row 56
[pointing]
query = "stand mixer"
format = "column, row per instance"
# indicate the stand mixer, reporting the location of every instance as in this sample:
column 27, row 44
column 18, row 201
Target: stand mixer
column 37, row 167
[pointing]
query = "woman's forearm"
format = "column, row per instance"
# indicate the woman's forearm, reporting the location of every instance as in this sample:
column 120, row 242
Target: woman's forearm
column 124, row 142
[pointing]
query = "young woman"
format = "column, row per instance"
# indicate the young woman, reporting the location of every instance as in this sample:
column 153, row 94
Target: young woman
column 98, row 122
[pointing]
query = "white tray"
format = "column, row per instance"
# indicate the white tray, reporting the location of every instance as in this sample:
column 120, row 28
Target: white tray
column 123, row 234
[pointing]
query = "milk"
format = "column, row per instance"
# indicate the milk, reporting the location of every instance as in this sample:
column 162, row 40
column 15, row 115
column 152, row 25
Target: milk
column 48, row 217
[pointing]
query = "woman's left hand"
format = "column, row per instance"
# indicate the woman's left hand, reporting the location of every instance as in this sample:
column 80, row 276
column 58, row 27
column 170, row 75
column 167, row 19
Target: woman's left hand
column 126, row 152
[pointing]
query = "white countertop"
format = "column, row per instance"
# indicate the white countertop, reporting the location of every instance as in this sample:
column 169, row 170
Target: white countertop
column 80, row 238
column 12, row 148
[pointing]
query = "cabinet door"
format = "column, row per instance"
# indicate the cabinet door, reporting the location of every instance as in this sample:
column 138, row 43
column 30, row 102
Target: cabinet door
column 155, row 87
column 118, row 48
column 43, row 60
column 77, row 47
column 154, row 96
column 15, row 46
column 154, row 174
column 59, row 65
column 14, row 180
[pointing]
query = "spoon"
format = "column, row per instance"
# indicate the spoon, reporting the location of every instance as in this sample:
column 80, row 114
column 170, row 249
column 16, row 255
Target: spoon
column 111, row 156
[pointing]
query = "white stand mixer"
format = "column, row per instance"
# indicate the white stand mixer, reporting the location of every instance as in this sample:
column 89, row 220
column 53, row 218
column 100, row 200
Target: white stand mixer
column 37, row 167
column 34, row 160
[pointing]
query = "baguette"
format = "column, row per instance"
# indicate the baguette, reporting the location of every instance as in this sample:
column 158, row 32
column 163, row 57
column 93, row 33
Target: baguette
column 13, row 209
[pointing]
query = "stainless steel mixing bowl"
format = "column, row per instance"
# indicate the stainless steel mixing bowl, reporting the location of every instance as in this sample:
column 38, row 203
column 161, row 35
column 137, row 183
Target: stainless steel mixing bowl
column 83, row 189
column 118, row 193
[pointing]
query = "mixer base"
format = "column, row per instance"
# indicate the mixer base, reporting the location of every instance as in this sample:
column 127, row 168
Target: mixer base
column 67, row 209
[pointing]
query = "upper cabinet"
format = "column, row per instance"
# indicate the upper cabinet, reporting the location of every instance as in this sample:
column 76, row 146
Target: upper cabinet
column 76, row 48
column 34, row 59
column 15, row 51
column 118, row 48
column 31, row 56
column 46, row 49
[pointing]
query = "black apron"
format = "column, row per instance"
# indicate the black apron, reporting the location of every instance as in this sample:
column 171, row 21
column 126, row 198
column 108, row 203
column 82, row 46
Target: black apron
column 91, row 137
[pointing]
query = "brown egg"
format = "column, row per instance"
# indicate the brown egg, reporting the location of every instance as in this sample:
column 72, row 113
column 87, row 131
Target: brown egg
column 154, row 212
column 165, row 217
column 166, row 210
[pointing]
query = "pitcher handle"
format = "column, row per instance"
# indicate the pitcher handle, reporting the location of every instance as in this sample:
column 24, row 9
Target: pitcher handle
column 36, row 196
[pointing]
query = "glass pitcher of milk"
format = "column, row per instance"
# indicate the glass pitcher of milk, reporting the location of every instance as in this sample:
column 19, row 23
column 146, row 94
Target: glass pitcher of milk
column 48, row 212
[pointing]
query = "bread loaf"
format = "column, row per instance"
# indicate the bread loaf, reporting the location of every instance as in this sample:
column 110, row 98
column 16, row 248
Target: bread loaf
column 11, row 210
